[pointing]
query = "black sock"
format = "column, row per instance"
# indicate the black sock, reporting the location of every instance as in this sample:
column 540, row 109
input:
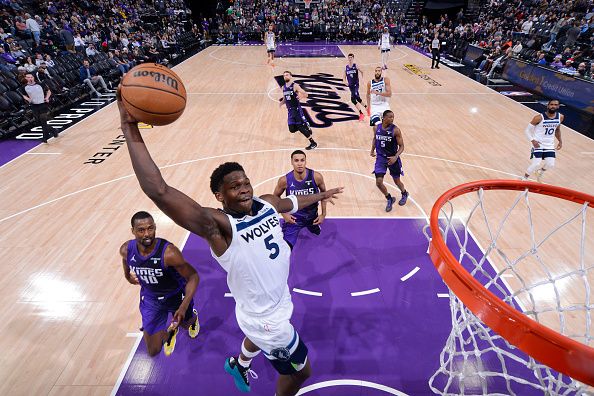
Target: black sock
column 389, row 196
column 311, row 140
column 360, row 112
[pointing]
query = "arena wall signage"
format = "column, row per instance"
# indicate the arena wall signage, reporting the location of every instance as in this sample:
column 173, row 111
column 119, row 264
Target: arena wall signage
column 571, row 91
column 68, row 118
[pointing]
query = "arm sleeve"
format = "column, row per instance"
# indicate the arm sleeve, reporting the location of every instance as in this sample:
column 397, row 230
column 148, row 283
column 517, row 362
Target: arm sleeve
column 529, row 131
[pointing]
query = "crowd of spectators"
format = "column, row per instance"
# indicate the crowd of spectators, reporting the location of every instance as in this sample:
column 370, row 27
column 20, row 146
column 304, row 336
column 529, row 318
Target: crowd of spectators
column 82, row 47
column 333, row 20
column 553, row 33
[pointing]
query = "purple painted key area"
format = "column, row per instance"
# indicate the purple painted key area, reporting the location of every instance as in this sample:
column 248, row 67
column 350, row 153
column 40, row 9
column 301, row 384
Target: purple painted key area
column 10, row 149
column 391, row 338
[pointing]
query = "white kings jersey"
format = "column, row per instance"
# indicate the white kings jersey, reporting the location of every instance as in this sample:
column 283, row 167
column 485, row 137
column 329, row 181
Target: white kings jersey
column 270, row 40
column 257, row 260
column 376, row 100
column 544, row 133
column 385, row 41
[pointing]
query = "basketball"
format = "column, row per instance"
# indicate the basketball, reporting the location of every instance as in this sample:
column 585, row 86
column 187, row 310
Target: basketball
column 153, row 94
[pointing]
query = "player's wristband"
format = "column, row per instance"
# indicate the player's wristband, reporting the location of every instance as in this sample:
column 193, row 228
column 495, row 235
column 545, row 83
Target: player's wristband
column 293, row 199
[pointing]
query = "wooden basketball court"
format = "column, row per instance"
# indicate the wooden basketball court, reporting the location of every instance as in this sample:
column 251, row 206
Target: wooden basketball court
column 67, row 309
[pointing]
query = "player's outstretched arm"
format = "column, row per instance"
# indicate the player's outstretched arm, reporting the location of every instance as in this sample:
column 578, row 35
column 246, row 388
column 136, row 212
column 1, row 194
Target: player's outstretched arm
column 281, row 186
column 205, row 222
column 284, row 205
column 368, row 96
column 175, row 259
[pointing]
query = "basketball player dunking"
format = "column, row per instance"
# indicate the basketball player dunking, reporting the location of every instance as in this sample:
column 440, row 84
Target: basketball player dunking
column 246, row 239
column 167, row 285
column 351, row 76
column 388, row 144
column 384, row 46
column 542, row 131
column 270, row 41
column 378, row 92
column 292, row 93
column 301, row 181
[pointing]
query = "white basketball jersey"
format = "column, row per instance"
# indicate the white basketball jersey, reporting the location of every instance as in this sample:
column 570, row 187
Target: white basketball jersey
column 257, row 260
column 270, row 40
column 379, row 86
column 385, row 41
column 544, row 132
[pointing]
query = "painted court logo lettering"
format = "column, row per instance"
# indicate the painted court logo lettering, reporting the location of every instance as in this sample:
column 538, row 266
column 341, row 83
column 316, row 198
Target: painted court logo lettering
column 416, row 70
column 324, row 102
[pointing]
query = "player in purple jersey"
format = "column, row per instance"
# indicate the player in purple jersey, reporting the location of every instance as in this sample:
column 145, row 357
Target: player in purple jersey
column 388, row 144
column 301, row 181
column 351, row 77
column 220, row 228
column 292, row 93
column 167, row 285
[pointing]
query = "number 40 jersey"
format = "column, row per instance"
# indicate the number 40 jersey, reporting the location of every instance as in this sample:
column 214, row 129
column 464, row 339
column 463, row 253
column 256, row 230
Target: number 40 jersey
column 257, row 260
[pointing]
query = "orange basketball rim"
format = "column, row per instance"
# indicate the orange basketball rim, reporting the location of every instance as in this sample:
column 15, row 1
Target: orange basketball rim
column 553, row 349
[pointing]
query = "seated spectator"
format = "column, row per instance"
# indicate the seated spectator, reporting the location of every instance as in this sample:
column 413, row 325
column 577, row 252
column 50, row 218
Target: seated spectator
column 38, row 59
column 89, row 76
column 91, row 51
column 30, row 67
column 122, row 61
column 79, row 44
column 581, row 70
column 8, row 58
column 556, row 64
column 541, row 59
column 49, row 61
column 42, row 73
column 111, row 59
column 568, row 68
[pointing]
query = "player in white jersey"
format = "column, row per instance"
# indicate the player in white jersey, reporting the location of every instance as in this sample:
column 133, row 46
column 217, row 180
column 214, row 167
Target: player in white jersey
column 270, row 41
column 379, row 91
column 246, row 239
column 542, row 131
column 384, row 46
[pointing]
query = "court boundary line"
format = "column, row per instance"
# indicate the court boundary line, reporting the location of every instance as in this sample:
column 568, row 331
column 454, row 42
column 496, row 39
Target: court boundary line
column 126, row 366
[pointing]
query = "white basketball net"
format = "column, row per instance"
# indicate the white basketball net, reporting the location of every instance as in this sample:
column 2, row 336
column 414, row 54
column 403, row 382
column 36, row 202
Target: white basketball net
column 307, row 3
column 477, row 361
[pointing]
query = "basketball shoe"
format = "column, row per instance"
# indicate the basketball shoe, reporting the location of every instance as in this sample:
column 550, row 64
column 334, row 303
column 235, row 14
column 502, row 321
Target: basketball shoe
column 240, row 374
column 194, row 328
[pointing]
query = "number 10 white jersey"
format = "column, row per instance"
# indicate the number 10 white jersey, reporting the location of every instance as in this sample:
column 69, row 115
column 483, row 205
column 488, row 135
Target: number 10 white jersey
column 257, row 260
column 544, row 133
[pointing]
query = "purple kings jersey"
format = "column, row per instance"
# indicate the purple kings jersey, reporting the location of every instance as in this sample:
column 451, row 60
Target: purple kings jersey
column 291, row 99
column 155, row 279
column 385, row 142
column 307, row 186
column 352, row 74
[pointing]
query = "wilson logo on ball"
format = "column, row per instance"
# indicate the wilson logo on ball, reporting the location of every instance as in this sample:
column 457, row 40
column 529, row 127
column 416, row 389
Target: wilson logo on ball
column 158, row 77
